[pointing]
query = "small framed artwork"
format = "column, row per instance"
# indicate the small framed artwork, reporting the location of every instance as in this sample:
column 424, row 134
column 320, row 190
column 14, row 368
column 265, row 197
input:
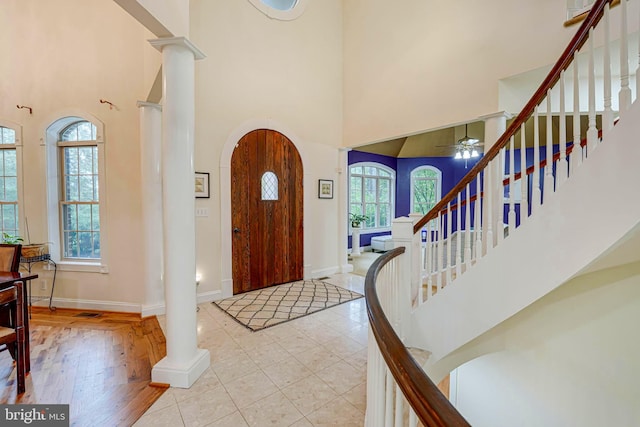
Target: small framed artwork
column 325, row 189
column 202, row 185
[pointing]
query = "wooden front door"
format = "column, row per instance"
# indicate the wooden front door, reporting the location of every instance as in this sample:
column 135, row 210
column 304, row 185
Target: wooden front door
column 266, row 211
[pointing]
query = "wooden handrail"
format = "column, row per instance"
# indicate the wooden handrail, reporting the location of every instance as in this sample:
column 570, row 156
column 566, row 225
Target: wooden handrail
column 431, row 407
column 562, row 64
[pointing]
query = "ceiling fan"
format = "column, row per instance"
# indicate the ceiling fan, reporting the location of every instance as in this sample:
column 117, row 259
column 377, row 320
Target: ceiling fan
column 466, row 147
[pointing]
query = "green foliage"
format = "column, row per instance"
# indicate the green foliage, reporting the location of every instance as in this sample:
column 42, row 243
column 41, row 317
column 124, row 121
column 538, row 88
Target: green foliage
column 11, row 239
column 356, row 219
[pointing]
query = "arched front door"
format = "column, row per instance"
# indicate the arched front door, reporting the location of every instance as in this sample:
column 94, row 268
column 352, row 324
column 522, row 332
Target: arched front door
column 266, row 211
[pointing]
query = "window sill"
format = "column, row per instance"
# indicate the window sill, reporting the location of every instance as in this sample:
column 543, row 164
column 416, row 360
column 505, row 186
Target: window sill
column 81, row 267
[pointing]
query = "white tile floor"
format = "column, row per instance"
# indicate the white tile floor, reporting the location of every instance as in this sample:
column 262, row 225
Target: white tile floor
column 307, row 372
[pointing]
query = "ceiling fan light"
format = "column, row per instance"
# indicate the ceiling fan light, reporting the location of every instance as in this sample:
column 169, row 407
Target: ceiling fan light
column 474, row 153
column 458, row 155
column 466, row 154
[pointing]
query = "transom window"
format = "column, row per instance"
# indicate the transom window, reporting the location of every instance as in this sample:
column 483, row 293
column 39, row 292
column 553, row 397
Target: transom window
column 80, row 202
column 426, row 188
column 284, row 10
column 8, row 182
column 269, row 186
column 371, row 193
column 280, row 4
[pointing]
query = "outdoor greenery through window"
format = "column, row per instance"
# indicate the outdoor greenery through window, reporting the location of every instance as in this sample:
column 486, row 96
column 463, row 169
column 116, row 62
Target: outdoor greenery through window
column 280, row 4
column 8, row 182
column 80, row 205
column 371, row 193
column 425, row 188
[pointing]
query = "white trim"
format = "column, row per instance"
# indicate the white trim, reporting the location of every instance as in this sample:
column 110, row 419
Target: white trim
column 50, row 144
column 225, row 193
column 281, row 15
column 160, row 309
column 180, row 375
column 17, row 128
column 392, row 196
column 81, row 304
column 81, row 267
column 328, row 271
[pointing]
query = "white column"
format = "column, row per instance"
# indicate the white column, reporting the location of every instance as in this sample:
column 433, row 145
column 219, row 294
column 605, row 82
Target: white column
column 151, row 183
column 343, row 209
column 184, row 362
column 494, row 126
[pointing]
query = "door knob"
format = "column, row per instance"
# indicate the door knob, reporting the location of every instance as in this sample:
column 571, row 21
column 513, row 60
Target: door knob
column 236, row 230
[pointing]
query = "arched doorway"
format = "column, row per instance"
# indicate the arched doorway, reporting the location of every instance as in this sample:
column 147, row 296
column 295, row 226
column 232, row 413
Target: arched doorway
column 266, row 211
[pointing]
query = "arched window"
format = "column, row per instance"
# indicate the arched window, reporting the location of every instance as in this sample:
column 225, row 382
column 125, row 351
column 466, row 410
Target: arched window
column 269, row 186
column 75, row 154
column 426, row 188
column 280, row 4
column 371, row 193
column 9, row 220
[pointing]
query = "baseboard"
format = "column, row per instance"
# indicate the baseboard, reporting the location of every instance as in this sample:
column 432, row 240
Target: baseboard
column 152, row 310
column 123, row 307
column 325, row 271
column 227, row 288
column 346, row 268
column 183, row 375
column 210, row 296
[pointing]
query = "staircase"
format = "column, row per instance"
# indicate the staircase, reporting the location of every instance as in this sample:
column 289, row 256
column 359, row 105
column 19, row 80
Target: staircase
column 579, row 214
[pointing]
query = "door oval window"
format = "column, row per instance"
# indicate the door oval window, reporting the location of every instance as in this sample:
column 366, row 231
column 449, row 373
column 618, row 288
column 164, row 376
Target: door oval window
column 269, row 186
column 284, row 10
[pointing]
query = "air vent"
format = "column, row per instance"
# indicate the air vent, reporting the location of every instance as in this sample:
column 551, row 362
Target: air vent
column 87, row 314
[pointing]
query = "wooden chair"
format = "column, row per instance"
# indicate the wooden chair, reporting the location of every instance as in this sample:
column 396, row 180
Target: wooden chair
column 13, row 335
column 9, row 261
column 10, row 257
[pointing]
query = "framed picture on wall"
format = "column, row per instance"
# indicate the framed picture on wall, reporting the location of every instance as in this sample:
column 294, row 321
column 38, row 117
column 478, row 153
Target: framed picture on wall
column 202, row 185
column 325, row 189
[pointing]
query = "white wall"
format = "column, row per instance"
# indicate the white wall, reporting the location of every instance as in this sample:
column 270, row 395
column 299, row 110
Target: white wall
column 265, row 72
column 414, row 65
column 569, row 359
column 66, row 55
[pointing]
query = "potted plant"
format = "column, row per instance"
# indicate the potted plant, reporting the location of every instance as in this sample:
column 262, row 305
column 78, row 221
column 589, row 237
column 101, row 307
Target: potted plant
column 10, row 239
column 357, row 219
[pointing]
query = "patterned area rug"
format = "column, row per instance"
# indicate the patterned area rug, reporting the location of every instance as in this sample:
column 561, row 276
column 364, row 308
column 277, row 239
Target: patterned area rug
column 277, row 304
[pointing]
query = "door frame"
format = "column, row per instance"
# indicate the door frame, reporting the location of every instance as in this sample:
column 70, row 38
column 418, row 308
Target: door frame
column 225, row 195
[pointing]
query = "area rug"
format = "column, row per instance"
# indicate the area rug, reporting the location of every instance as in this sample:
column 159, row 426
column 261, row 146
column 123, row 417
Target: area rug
column 277, row 304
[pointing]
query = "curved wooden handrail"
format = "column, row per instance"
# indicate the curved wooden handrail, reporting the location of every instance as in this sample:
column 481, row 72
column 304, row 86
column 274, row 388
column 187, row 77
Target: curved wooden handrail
column 562, row 64
column 431, row 407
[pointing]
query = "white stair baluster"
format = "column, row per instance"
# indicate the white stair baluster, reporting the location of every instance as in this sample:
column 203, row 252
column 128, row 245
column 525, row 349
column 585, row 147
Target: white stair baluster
column 458, row 238
column 592, row 131
column 625, row 91
column 477, row 220
column 548, row 169
column 488, row 206
column 576, row 151
column 467, row 230
column 449, row 245
column 499, row 162
column 562, row 168
column 439, row 253
column 388, row 400
column 536, row 195
column 607, row 114
column 511, row 218
column 524, row 178
column 399, row 406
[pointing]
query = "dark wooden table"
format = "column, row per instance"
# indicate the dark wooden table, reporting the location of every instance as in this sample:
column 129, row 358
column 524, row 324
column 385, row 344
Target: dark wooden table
column 10, row 278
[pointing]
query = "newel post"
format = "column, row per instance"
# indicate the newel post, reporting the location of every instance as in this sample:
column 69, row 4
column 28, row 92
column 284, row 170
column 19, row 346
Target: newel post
column 408, row 271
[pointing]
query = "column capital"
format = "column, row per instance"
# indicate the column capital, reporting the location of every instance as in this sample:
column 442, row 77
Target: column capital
column 141, row 104
column 177, row 41
column 496, row 115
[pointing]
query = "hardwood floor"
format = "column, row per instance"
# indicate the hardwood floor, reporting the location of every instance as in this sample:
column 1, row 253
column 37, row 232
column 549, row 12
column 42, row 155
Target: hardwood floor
column 101, row 366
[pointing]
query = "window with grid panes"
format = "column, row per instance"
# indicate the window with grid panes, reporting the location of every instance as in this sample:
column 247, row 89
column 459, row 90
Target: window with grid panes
column 79, row 204
column 371, row 193
column 8, row 182
column 425, row 188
